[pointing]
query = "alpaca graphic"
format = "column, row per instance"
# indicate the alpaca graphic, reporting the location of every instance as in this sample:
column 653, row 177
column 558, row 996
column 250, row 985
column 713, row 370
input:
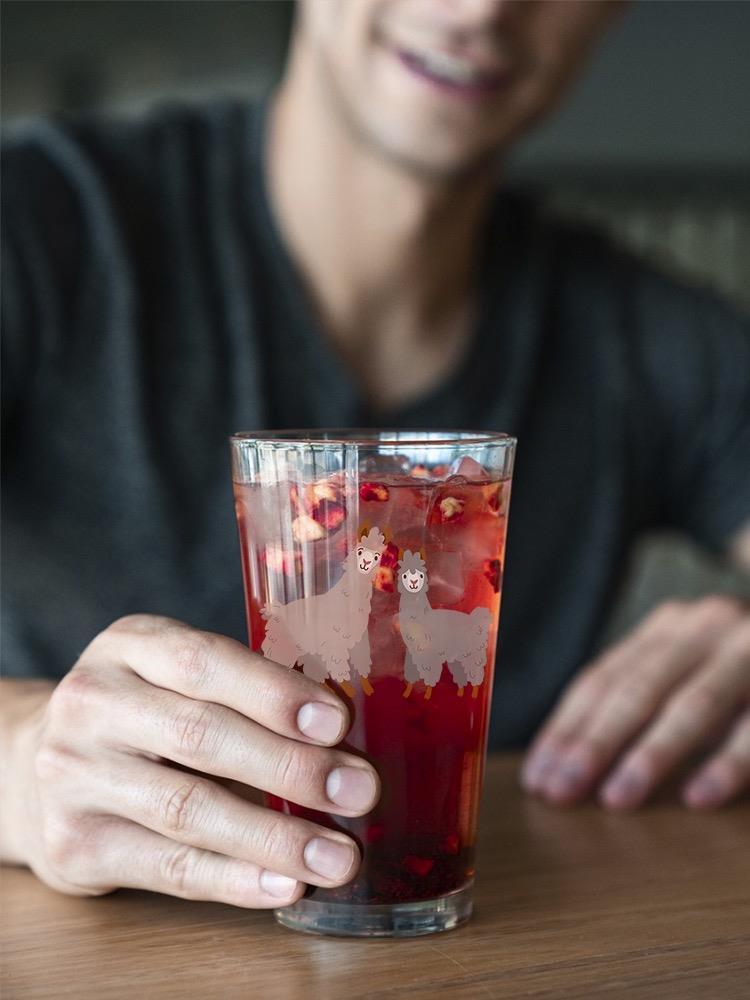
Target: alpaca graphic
column 434, row 636
column 327, row 633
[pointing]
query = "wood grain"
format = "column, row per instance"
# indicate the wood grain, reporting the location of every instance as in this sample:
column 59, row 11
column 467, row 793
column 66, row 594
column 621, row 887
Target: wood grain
column 577, row 903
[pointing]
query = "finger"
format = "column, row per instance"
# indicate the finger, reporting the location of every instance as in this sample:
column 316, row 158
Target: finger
column 627, row 687
column 218, row 741
column 130, row 856
column 192, row 810
column 210, row 667
column 711, row 696
column 578, row 704
column 726, row 774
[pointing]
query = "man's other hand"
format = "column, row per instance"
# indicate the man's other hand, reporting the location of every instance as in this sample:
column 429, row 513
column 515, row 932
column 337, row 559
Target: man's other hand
column 679, row 685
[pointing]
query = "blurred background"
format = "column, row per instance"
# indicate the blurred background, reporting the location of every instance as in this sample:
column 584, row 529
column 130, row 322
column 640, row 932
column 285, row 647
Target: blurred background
column 654, row 145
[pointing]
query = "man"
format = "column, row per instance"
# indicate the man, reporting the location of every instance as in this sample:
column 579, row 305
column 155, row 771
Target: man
column 339, row 257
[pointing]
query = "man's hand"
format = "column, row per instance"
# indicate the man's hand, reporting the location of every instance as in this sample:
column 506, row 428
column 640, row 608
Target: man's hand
column 103, row 804
column 648, row 704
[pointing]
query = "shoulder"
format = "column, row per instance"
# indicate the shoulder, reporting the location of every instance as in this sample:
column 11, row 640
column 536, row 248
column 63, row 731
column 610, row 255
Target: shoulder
column 598, row 285
column 85, row 154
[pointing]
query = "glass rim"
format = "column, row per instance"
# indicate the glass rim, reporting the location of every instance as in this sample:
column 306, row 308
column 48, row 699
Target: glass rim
column 380, row 438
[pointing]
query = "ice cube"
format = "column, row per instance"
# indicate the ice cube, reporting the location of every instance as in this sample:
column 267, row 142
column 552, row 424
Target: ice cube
column 469, row 468
column 445, row 572
column 376, row 466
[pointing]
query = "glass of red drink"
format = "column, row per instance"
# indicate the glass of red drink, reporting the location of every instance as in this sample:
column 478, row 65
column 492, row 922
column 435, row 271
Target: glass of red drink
column 373, row 562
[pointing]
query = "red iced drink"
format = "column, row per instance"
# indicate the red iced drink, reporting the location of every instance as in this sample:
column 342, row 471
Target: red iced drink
column 420, row 701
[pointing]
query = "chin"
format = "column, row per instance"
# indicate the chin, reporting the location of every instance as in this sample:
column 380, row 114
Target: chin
column 428, row 154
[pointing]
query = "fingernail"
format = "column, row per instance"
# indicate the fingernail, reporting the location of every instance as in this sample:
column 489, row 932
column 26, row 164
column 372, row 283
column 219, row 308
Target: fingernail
column 569, row 779
column 351, row 788
column 277, row 885
column 535, row 768
column 320, row 722
column 705, row 791
column 328, row 858
column 624, row 789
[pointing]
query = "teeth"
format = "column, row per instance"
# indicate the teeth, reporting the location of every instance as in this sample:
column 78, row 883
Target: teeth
column 451, row 68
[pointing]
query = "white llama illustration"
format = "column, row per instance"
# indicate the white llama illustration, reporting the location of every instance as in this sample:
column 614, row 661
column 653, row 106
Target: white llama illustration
column 434, row 636
column 327, row 633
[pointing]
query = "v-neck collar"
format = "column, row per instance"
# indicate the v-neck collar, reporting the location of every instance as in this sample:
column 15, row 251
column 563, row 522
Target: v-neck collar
column 493, row 373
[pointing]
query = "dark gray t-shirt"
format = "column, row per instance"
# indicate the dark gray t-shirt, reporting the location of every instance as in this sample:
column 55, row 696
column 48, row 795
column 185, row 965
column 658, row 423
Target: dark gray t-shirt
column 151, row 308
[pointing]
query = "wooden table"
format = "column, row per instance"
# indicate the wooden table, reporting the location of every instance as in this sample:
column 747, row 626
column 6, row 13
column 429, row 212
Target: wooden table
column 575, row 903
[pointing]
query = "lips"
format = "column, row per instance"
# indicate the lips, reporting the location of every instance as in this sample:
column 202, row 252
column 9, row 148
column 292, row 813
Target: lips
column 454, row 74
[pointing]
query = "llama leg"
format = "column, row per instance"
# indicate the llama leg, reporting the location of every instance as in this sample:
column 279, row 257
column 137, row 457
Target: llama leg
column 337, row 662
column 411, row 674
column 361, row 661
column 459, row 676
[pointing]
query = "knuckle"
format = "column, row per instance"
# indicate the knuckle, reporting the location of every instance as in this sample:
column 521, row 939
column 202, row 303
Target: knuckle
column 51, row 763
column 275, row 841
column 668, row 615
column 78, row 693
column 182, row 806
column 700, row 704
column 294, row 770
column 195, row 656
column 177, row 868
column 196, row 732
column 717, row 609
column 635, row 692
column 62, row 837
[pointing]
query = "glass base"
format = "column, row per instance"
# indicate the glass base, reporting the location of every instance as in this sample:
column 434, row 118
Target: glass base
column 429, row 916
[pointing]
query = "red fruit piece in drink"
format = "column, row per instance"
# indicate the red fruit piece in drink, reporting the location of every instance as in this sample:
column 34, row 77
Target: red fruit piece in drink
column 279, row 560
column 439, row 471
column 494, row 500
column 451, row 508
column 493, row 570
column 322, row 490
column 324, row 502
column 420, row 472
column 307, row 529
column 374, row 491
column 451, row 844
column 389, row 556
column 329, row 514
column 418, row 866
column 384, row 579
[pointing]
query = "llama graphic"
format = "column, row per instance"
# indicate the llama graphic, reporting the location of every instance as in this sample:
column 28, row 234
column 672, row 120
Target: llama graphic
column 327, row 633
column 434, row 636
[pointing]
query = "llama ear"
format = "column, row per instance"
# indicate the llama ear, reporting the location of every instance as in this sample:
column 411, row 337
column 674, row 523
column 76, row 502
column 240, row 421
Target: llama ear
column 423, row 553
column 363, row 531
column 401, row 555
column 387, row 535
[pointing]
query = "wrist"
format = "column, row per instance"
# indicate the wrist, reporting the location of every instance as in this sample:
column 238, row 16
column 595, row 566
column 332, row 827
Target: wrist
column 22, row 708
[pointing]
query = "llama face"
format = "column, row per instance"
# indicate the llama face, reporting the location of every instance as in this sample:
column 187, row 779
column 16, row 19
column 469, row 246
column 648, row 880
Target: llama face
column 367, row 559
column 368, row 551
column 412, row 581
column 412, row 573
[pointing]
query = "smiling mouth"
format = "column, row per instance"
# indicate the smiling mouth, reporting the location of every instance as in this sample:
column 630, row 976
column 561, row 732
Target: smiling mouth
column 453, row 74
column 365, row 565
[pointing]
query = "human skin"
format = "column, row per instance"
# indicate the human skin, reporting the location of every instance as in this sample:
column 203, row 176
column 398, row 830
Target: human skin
column 118, row 776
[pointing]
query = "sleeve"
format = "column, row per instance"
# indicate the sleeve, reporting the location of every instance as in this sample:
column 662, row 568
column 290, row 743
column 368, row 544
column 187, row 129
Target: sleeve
column 690, row 405
column 43, row 236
